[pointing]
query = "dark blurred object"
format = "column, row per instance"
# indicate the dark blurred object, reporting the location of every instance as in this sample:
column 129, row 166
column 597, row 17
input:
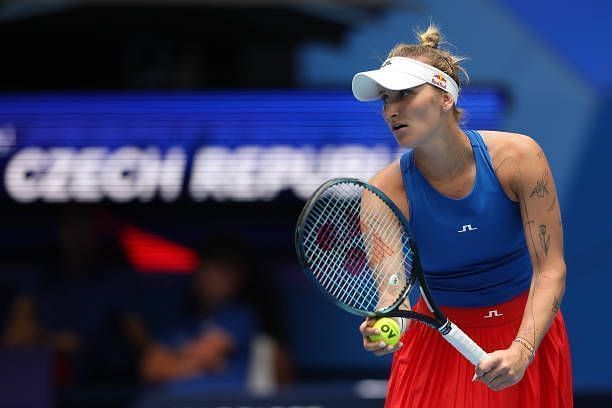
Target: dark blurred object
column 196, row 44
column 260, row 290
column 208, row 347
column 231, row 334
column 78, row 308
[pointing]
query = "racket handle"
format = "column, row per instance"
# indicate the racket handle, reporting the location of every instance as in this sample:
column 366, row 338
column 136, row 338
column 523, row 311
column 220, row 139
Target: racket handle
column 464, row 344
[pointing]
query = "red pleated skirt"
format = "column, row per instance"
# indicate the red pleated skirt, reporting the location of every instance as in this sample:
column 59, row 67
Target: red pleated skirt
column 428, row 372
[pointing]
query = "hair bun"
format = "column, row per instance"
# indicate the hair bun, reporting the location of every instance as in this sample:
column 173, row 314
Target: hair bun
column 431, row 37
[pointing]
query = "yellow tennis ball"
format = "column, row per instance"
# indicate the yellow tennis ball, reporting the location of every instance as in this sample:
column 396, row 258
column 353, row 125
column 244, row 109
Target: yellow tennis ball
column 389, row 331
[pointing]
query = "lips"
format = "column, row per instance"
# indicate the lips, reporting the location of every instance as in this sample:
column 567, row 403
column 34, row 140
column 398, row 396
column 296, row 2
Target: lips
column 397, row 126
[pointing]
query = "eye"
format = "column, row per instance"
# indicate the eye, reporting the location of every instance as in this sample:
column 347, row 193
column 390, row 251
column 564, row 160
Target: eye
column 384, row 98
column 406, row 93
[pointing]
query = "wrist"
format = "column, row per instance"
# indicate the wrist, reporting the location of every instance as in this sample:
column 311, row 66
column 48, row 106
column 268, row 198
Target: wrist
column 526, row 347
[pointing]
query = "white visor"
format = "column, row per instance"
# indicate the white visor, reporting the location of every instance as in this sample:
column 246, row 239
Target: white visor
column 398, row 73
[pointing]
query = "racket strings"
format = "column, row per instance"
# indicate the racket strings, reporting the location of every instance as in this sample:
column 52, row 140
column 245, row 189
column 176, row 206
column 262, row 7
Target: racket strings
column 353, row 204
column 387, row 270
column 354, row 245
column 329, row 265
column 374, row 243
column 330, row 216
column 339, row 283
column 358, row 239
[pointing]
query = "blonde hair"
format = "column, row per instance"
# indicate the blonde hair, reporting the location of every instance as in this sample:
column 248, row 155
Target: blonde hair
column 427, row 51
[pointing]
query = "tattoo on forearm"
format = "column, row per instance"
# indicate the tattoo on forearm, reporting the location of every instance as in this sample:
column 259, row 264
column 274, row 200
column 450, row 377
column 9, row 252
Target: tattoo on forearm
column 541, row 188
column 528, row 226
column 556, row 305
column 544, row 238
column 552, row 205
column 525, row 354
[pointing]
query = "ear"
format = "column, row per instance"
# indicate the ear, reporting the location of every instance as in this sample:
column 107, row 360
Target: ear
column 447, row 101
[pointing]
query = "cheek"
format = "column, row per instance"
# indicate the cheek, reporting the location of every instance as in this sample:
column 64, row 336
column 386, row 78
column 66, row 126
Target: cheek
column 423, row 113
column 419, row 115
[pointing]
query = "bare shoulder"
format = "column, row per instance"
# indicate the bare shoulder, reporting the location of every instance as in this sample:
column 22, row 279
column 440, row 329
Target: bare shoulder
column 510, row 155
column 504, row 145
column 388, row 178
column 390, row 181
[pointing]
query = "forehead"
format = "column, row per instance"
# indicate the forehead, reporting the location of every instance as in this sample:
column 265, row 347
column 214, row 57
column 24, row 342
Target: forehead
column 390, row 92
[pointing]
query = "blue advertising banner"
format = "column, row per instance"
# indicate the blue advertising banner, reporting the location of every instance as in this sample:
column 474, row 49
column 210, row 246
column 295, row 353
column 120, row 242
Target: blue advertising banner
column 239, row 146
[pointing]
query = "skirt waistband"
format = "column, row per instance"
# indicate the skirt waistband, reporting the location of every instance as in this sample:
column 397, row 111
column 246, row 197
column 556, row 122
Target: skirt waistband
column 482, row 316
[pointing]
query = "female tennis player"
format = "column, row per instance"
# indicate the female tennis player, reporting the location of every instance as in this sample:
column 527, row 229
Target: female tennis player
column 484, row 212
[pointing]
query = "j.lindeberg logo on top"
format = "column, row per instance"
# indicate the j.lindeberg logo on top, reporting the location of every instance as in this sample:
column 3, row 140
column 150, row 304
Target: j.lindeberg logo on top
column 467, row 227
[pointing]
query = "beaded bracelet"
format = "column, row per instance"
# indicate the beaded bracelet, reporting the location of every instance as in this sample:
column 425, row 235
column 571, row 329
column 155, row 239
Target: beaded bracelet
column 527, row 345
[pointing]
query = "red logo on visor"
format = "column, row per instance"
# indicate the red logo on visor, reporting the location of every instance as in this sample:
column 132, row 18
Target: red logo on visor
column 439, row 80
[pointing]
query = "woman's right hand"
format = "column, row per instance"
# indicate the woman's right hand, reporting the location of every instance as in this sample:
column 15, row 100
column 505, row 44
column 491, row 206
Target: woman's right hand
column 379, row 348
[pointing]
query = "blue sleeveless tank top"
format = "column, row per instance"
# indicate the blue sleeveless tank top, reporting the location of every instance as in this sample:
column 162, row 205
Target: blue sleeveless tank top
column 472, row 249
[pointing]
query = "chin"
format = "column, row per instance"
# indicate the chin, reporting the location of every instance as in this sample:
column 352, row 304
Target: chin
column 414, row 138
column 405, row 139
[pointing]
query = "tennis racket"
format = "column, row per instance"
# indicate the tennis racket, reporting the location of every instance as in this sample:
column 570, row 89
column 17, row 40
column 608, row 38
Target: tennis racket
column 356, row 246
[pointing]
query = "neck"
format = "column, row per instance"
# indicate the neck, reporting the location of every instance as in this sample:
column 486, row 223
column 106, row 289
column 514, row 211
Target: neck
column 446, row 154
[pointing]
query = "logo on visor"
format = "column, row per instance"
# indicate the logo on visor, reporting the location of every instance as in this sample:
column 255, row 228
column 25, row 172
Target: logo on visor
column 439, row 80
column 387, row 62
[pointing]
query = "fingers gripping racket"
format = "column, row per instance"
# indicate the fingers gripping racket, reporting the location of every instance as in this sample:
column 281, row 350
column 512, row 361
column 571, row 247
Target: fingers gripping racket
column 357, row 247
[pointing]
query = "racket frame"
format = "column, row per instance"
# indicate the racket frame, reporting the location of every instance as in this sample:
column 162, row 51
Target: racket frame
column 408, row 244
column 450, row 332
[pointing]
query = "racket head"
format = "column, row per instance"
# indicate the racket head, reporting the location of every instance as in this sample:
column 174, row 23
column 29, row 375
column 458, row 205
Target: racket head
column 356, row 247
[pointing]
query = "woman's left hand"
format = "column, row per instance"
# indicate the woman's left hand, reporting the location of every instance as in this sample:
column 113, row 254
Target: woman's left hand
column 503, row 368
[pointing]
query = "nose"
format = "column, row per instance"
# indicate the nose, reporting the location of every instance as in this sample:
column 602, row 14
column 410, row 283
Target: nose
column 390, row 111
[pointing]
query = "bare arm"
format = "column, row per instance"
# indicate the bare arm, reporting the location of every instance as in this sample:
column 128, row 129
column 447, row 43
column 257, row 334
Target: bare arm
column 524, row 169
column 205, row 354
column 540, row 212
column 161, row 364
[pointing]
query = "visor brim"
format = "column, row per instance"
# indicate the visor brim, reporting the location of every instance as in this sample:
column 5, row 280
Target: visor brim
column 368, row 85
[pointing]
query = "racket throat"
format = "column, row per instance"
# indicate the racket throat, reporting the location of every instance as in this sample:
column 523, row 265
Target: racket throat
column 445, row 328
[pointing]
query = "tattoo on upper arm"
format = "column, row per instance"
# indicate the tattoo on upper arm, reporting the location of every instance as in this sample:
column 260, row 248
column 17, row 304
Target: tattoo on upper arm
column 541, row 187
column 552, row 205
column 544, row 238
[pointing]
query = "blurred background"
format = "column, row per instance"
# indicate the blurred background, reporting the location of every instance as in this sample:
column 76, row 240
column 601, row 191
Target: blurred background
column 155, row 156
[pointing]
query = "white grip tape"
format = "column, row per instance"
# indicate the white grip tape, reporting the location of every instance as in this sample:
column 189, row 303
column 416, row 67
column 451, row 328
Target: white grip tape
column 465, row 345
column 403, row 323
